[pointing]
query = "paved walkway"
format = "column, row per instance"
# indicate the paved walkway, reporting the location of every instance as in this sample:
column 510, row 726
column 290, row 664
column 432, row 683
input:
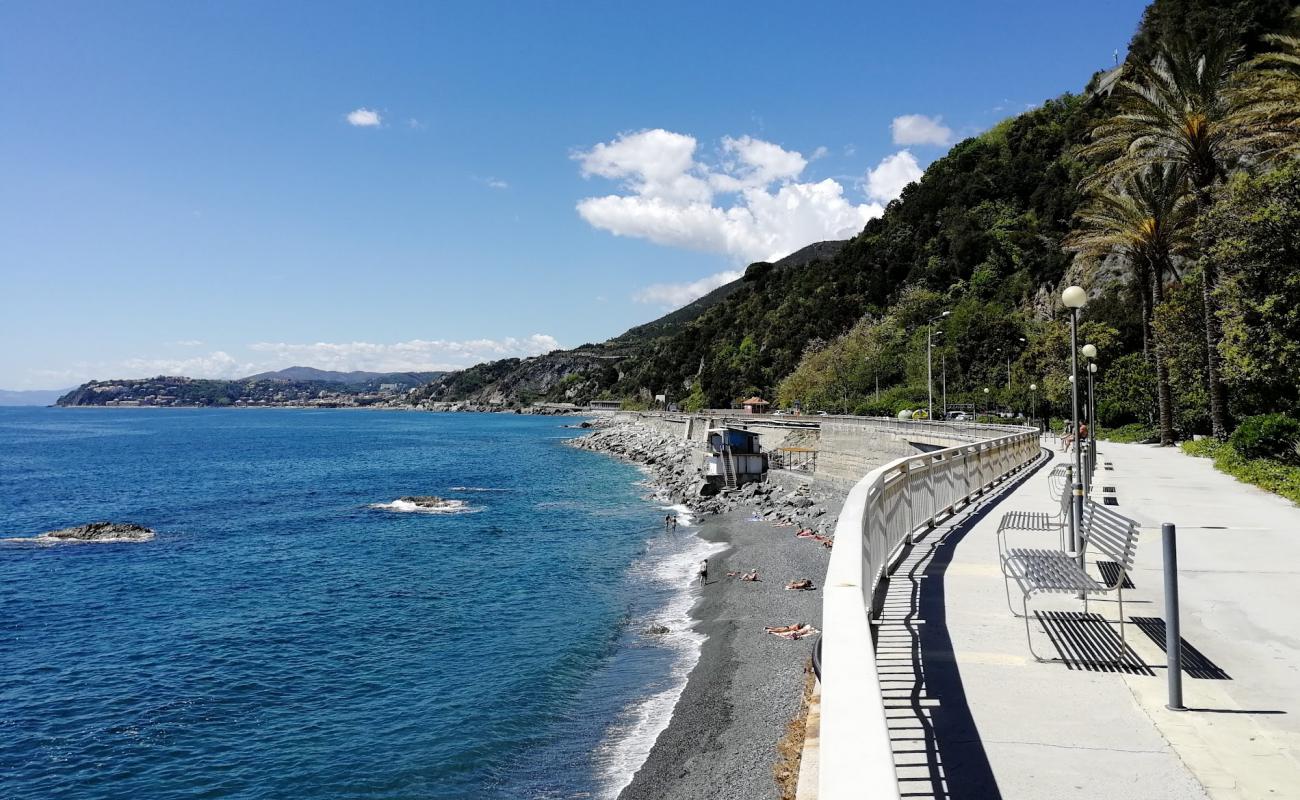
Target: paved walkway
column 973, row 715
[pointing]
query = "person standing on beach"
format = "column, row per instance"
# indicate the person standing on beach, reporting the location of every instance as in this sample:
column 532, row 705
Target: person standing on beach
column 668, row 522
column 704, row 571
column 674, row 522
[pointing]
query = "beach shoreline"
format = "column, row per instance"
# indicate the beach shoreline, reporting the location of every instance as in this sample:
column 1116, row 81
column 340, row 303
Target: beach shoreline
column 746, row 685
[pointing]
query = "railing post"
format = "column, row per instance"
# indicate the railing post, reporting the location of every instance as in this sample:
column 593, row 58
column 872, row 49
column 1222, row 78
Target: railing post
column 1173, row 634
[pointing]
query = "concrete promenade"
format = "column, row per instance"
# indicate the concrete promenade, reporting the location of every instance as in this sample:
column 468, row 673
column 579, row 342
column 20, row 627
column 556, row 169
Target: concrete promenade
column 973, row 715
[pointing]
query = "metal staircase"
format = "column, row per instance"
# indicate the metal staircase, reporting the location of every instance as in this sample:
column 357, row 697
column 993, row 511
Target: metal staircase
column 728, row 468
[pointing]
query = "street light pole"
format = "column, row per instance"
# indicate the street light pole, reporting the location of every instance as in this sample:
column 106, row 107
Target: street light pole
column 929, row 369
column 1074, row 299
column 1092, row 403
column 1033, row 403
column 929, row 360
column 943, row 361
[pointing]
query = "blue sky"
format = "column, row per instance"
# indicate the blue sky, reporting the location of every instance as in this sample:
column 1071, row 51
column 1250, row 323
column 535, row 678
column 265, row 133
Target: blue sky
column 217, row 188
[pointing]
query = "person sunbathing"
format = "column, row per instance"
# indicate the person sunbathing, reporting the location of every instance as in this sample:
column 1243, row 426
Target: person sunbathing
column 800, row 585
column 750, row 576
column 793, row 632
column 785, row 628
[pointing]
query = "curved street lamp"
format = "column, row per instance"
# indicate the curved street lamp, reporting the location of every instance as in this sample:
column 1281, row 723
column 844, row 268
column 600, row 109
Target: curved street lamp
column 1075, row 298
column 929, row 359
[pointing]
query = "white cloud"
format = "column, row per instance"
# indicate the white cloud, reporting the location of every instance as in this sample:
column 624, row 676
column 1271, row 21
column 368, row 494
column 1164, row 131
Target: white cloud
column 187, row 343
column 415, row 355
column 412, row 355
column 217, row 364
column 676, row 295
column 671, row 198
column 654, row 164
column 751, row 163
column 820, row 152
column 887, row 180
column 364, row 118
column 497, row 183
column 920, row 129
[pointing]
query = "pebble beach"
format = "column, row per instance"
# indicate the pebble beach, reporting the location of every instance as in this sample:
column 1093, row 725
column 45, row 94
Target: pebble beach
column 747, row 685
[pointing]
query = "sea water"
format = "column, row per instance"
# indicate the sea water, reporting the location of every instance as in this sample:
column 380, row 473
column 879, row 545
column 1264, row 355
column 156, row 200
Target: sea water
column 292, row 632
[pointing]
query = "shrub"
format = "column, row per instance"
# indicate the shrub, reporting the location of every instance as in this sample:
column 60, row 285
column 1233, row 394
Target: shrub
column 1266, row 473
column 1267, row 436
column 1133, row 432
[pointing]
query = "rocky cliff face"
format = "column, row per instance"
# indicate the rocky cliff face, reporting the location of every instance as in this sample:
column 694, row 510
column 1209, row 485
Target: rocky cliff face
column 573, row 376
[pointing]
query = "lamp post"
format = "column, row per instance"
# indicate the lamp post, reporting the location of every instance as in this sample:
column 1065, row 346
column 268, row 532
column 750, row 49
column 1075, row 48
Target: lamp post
column 1022, row 341
column 943, row 362
column 1092, row 402
column 1089, row 352
column 986, row 401
column 1033, row 404
column 929, row 359
column 1074, row 299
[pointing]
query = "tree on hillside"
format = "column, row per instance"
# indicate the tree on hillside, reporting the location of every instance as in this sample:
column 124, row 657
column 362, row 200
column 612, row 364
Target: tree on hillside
column 1148, row 218
column 1275, row 85
column 1191, row 110
column 1253, row 237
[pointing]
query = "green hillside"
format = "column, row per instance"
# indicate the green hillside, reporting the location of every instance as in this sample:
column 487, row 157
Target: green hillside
column 991, row 234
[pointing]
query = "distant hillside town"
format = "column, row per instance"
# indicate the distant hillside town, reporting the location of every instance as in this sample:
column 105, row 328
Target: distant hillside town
column 322, row 390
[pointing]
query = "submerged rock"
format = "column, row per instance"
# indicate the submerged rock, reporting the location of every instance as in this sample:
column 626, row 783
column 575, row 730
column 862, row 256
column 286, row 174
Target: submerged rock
column 102, row 532
column 425, row 501
column 657, row 629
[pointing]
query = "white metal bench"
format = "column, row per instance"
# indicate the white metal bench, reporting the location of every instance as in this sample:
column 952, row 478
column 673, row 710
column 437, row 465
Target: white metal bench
column 1037, row 521
column 1036, row 572
column 1058, row 477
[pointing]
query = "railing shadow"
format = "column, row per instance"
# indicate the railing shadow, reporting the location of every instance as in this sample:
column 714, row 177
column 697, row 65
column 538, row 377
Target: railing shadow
column 937, row 748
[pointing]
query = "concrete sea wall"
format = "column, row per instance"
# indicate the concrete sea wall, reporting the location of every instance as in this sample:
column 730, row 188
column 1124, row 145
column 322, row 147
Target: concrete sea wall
column 847, row 448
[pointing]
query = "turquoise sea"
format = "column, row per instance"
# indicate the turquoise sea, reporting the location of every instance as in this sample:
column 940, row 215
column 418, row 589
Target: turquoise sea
column 282, row 638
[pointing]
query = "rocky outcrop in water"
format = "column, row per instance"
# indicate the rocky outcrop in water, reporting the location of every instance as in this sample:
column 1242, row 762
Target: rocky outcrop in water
column 102, row 532
column 424, row 501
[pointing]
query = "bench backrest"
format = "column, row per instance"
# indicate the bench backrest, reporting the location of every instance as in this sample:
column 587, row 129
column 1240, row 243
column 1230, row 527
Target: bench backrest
column 1058, row 476
column 1067, row 494
column 1110, row 534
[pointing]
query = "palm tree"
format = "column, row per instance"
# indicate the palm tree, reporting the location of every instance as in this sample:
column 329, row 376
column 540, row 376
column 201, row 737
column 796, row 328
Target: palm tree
column 1274, row 87
column 1148, row 218
column 1191, row 111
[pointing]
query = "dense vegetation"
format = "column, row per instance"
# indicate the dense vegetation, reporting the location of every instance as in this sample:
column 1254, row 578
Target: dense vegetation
column 1168, row 188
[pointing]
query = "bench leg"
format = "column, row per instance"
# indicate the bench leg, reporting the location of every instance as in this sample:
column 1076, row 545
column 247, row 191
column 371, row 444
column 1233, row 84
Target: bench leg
column 1122, row 640
column 1006, row 588
column 1024, row 605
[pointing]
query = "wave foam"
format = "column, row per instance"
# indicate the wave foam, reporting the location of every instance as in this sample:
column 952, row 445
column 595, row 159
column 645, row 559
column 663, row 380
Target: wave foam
column 45, row 540
column 445, row 507
column 638, row 727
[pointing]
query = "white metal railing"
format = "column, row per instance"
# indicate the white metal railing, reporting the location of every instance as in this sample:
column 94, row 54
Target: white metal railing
column 884, row 510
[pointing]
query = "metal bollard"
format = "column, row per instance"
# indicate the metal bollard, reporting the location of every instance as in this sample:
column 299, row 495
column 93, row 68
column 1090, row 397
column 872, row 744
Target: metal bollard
column 1173, row 636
